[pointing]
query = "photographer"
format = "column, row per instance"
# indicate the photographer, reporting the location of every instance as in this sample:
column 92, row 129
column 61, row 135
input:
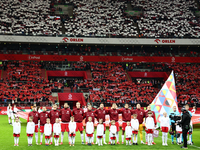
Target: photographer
column 185, row 123
column 173, row 118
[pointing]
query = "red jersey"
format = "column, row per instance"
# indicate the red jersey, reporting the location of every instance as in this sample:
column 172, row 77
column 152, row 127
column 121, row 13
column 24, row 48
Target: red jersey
column 43, row 117
column 78, row 114
column 153, row 115
column 35, row 115
column 65, row 114
column 88, row 114
column 114, row 114
column 140, row 115
column 53, row 115
column 100, row 114
column 126, row 114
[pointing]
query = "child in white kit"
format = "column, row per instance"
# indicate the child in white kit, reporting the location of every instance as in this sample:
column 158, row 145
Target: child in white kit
column 72, row 131
column 135, row 128
column 128, row 131
column 30, row 129
column 47, row 132
column 56, row 131
column 113, row 131
column 165, row 127
column 16, row 131
column 100, row 132
column 8, row 113
column 89, row 130
column 179, row 133
column 149, row 128
column 11, row 115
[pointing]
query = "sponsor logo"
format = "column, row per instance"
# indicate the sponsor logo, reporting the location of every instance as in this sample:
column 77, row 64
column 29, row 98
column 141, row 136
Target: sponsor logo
column 157, row 41
column 3, row 112
column 173, row 59
column 65, row 73
column 127, row 59
column 164, row 41
column 145, row 74
column 70, row 96
column 34, row 57
column 65, row 39
column 81, row 58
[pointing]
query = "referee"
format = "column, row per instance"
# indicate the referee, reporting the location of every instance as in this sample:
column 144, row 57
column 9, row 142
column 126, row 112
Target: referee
column 172, row 123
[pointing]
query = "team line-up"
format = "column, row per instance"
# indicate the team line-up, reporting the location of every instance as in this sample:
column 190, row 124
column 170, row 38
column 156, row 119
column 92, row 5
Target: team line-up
column 71, row 122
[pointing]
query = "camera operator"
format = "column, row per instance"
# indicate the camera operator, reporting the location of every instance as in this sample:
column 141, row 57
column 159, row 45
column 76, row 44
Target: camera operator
column 185, row 123
column 173, row 118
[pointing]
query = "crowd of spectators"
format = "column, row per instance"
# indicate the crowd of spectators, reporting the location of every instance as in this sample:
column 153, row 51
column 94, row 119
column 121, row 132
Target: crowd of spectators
column 27, row 17
column 68, row 65
column 100, row 18
column 110, row 83
column 94, row 50
column 168, row 18
column 187, row 83
column 25, row 85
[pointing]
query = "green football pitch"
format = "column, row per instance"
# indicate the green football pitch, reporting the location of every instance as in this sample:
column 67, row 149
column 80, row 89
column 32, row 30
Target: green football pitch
column 7, row 140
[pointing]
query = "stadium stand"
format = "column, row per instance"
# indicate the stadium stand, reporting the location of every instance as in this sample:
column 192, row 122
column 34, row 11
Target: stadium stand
column 100, row 18
column 24, row 85
column 110, row 83
column 166, row 18
column 30, row 17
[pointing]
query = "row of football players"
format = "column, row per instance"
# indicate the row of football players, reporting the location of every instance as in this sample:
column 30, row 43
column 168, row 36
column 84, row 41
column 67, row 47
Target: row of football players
column 131, row 130
column 100, row 113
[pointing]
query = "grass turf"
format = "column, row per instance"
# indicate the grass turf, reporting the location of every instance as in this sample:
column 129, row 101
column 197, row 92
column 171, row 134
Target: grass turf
column 7, row 140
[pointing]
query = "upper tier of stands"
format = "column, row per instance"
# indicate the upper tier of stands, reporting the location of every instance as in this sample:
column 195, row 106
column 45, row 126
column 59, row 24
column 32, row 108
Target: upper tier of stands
column 100, row 18
column 27, row 17
column 168, row 18
column 107, row 18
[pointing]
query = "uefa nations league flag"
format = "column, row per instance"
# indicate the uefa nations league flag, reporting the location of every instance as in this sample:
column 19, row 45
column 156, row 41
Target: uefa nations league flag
column 165, row 99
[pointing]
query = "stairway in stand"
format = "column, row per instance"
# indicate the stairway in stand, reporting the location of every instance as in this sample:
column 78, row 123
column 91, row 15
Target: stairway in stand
column 88, row 72
column 4, row 74
column 127, row 76
column 43, row 73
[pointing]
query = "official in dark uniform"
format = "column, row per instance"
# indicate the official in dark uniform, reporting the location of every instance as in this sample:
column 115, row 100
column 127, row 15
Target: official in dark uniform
column 185, row 123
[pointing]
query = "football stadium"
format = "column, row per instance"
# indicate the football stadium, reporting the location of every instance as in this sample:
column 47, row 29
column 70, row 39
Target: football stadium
column 99, row 74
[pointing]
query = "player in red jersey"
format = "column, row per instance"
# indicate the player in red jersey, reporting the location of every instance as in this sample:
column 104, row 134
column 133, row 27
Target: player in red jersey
column 53, row 114
column 79, row 114
column 101, row 114
column 154, row 118
column 35, row 116
column 126, row 117
column 114, row 115
column 65, row 115
column 43, row 117
column 140, row 116
column 89, row 113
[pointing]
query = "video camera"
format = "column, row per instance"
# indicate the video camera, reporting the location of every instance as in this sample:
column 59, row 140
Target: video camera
column 174, row 117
